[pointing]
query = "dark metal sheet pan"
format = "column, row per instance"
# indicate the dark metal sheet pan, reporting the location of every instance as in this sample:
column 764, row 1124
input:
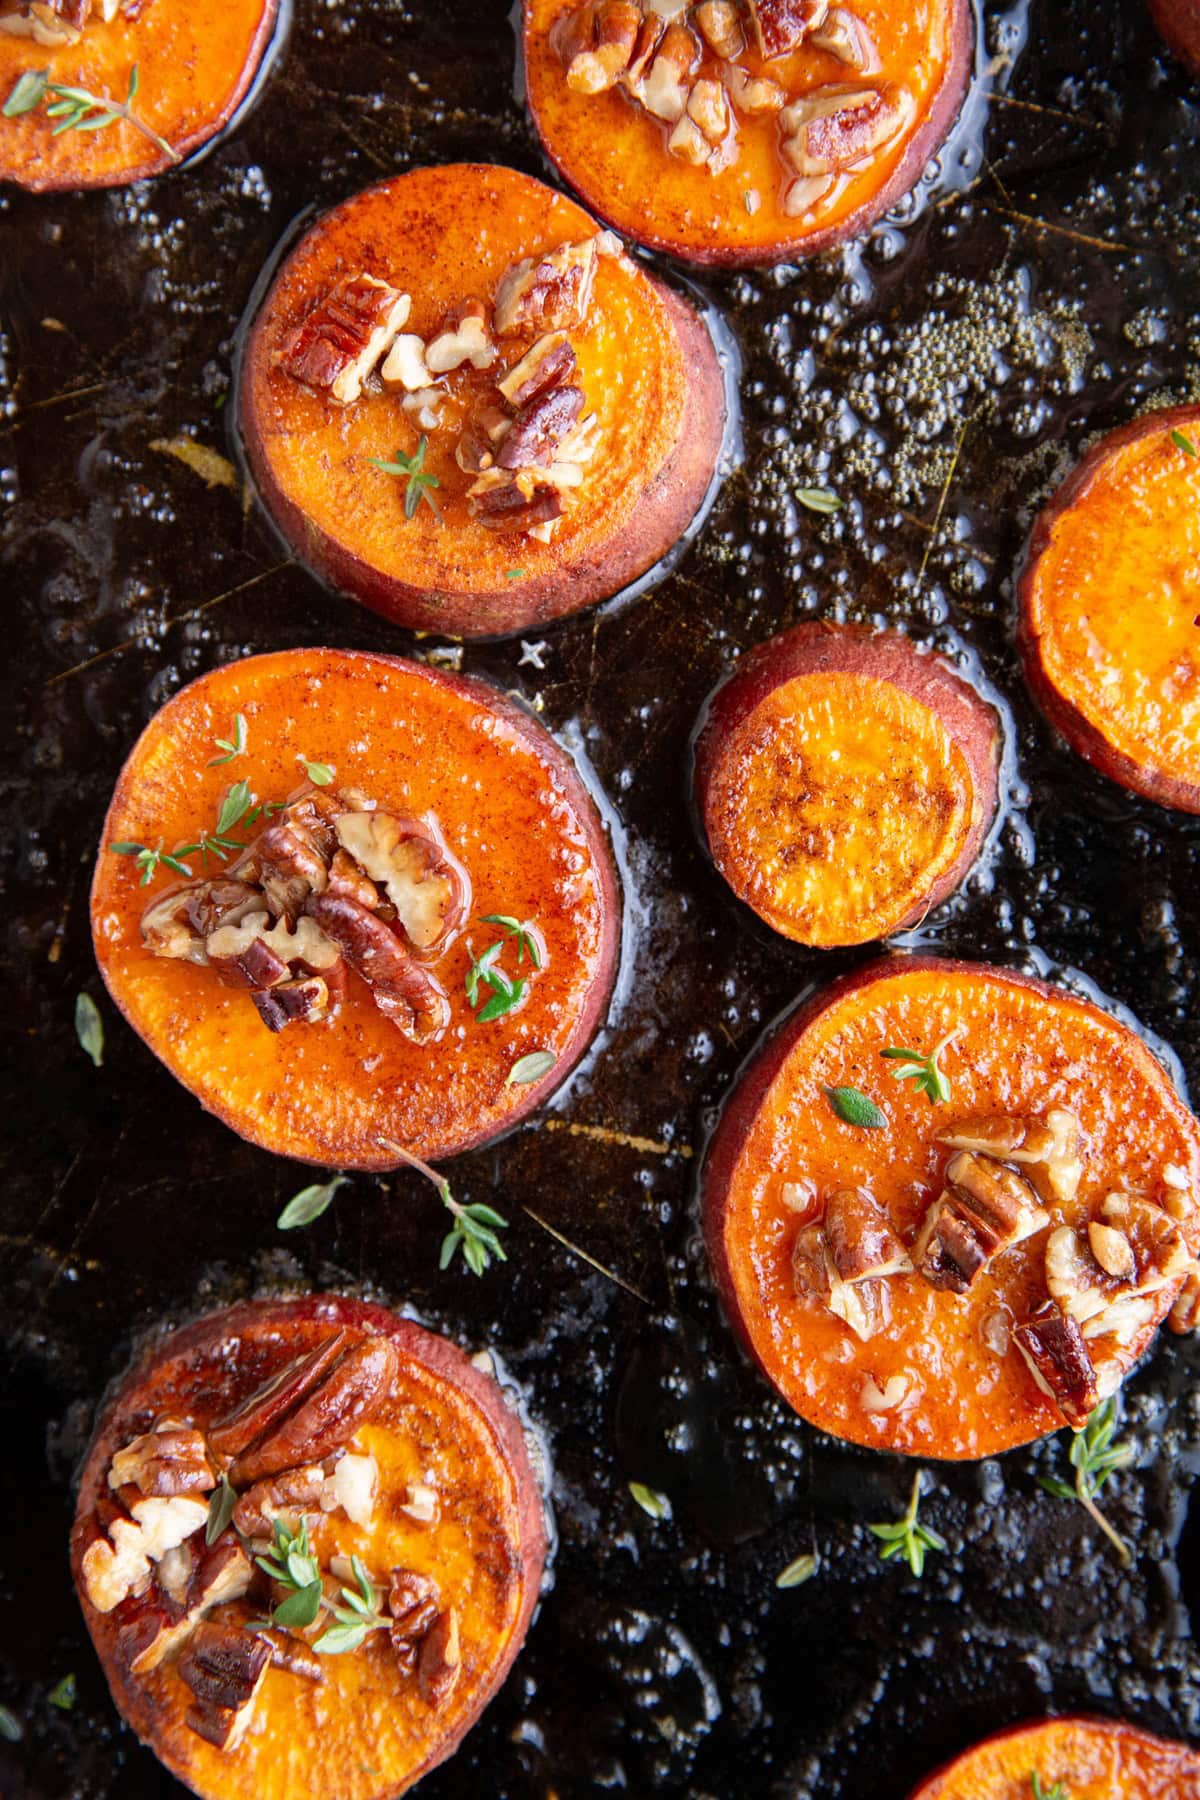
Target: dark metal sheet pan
column 940, row 376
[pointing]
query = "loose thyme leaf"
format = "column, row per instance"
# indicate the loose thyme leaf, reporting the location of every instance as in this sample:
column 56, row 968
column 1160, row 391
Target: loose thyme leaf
column 925, row 1072
column 528, row 1069
column 26, row 93
column 798, row 1572
column 320, row 774
column 10, row 1726
column 651, row 1501
column 819, row 500
column 89, row 1027
column 1039, row 1790
column 234, row 807
column 1183, row 442
column 300, row 1608
column 232, row 746
column 855, row 1108
column 221, row 1503
column 63, row 1694
column 513, row 574
column 502, row 1003
column 309, row 1203
column 411, row 469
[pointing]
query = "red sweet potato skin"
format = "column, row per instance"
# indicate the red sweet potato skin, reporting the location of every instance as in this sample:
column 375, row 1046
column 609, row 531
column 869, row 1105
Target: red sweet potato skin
column 1179, row 22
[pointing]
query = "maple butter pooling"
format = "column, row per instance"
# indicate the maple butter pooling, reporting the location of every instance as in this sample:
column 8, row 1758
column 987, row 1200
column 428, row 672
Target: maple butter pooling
column 839, row 803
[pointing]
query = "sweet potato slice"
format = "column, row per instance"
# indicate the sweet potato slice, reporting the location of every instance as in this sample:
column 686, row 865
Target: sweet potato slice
column 1109, row 607
column 652, row 411
column 196, row 62
column 845, row 782
column 456, row 1514
column 746, row 134
column 1027, row 1060
column 1086, row 1759
column 513, row 813
column 1179, row 22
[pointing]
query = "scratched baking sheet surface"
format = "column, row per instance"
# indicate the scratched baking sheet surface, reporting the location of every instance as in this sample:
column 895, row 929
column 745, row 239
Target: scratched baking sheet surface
column 940, row 377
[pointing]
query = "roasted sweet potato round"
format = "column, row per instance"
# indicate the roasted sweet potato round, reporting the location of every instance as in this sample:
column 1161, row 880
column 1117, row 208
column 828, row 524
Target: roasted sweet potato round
column 567, row 405
column 1109, row 606
column 845, row 782
column 744, row 133
column 425, row 1480
column 1079, row 1759
column 908, row 1191
column 1179, row 22
column 181, row 68
column 415, row 952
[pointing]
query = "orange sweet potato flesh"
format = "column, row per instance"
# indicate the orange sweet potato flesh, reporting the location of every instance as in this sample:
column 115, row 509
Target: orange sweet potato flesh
column 1109, row 605
column 196, row 61
column 1026, row 1047
column 845, row 782
column 1091, row 1759
column 1179, row 22
column 648, row 370
column 445, row 1425
column 415, row 739
column 614, row 154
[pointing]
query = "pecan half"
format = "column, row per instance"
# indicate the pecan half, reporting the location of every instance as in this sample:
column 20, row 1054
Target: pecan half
column 413, row 1603
column 1050, row 1145
column 327, row 1417
column 547, row 293
column 169, row 1460
column 834, row 128
column 344, row 336
column 260, row 1410
column 548, row 364
column 540, row 427
column 225, row 1667
column 844, row 35
column 407, row 994
column 439, row 1663
column 412, row 862
column 781, row 26
column 1057, row 1356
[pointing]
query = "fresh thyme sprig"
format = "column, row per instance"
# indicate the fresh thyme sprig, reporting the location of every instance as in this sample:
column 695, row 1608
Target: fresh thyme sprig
column 357, row 1614
column 907, row 1537
column 233, row 746
column 148, row 860
column 293, row 1565
column 78, row 110
column 1040, row 1792
column 236, row 809
column 1094, row 1457
column 411, row 469
column 507, row 994
column 475, row 1226
column 925, row 1072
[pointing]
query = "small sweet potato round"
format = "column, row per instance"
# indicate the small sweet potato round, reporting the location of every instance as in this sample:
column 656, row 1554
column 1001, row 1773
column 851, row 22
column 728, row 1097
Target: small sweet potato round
column 414, row 739
column 1179, row 22
column 1108, row 599
column 196, row 61
column 646, row 364
column 1086, row 1759
column 445, row 1426
column 780, row 1150
column 614, row 153
column 845, row 781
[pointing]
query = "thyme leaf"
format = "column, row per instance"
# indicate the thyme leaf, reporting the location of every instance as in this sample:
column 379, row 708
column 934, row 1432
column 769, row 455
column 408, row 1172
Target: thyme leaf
column 1095, row 1458
column 855, row 1108
column 232, row 746
column 924, row 1072
column 819, row 500
column 656, row 1505
column 475, row 1226
column 221, row 1503
column 411, row 469
column 802, row 1569
column 528, row 1069
column 89, row 1028
column 908, row 1537
column 320, row 774
column 358, row 1614
column 507, row 994
column 309, row 1203
column 63, row 1694
column 293, row 1566
column 1183, row 442
column 148, row 860
column 10, row 1726
column 1040, row 1791
column 76, row 109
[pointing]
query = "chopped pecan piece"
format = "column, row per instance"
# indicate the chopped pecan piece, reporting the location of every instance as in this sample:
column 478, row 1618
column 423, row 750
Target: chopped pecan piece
column 663, row 90
column 327, row 1417
column 304, row 946
column 405, row 365
column 257, row 967
column 834, row 128
column 288, row 869
column 863, row 1304
column 708, row 108
column 292, row 1653
column 547, row 293
column 861, row 1240
column 513, row 500
column 844, row 35
column 412, row 862
column 754, row 94
column 169, row 1460
column 225, row 1667
column 1051, row 1144
column 158, row 1625
column 262, row 1409
column 463, row 338
column 599, row 44
column 305, row 1001
column 482, row 434
column 984, row 1209
column 720, row 26
column 413, row 1603
column 352, row 1486
column 548, row 364
column 344, row 336
column 781, row 26
column 168, row 926
column 1185, row 1313
column 1058, row 1360
column 1160, row 1250
column 118, row 1565
column 539, row 428
column 50, row 23
column 439, row 1663
column 650, row 36
column 277, row 1497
